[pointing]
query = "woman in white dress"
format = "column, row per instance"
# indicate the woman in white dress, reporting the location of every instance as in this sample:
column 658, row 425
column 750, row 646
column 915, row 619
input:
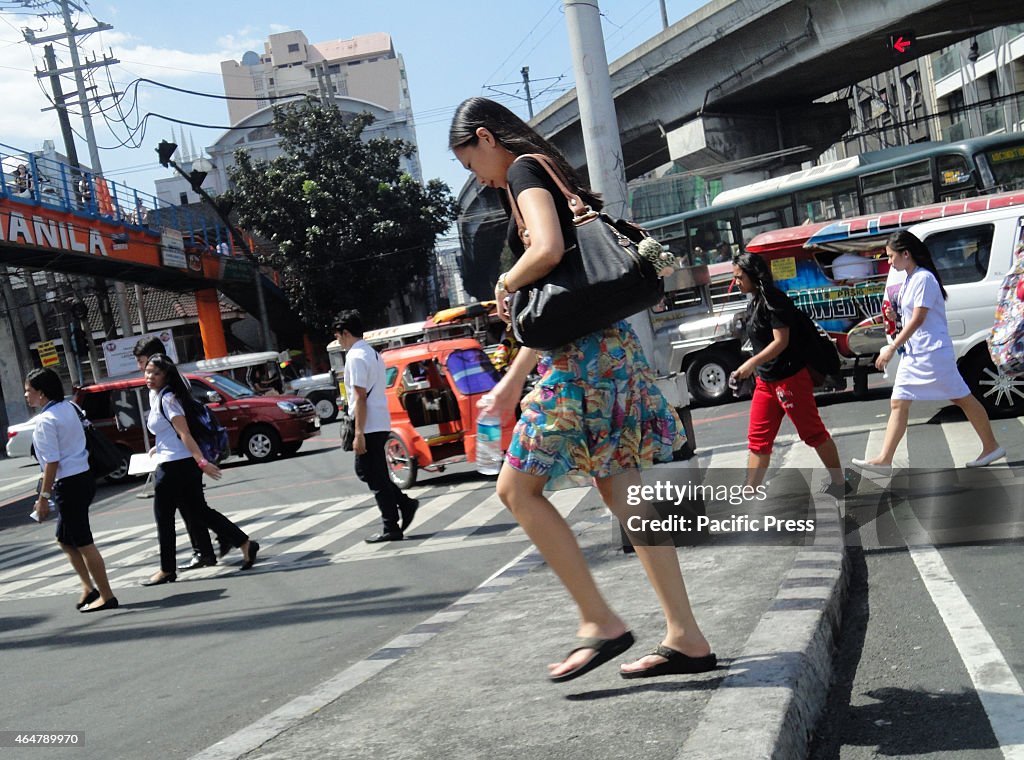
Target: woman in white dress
column 927, row 370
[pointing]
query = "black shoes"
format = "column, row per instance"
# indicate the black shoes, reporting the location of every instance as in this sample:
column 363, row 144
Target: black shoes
column 408, row 512
column 110, row 604
column 89, row 598
column 199, row 560
column 159, row 581
column 379, row 538
column 223, row 548
column 254, row 548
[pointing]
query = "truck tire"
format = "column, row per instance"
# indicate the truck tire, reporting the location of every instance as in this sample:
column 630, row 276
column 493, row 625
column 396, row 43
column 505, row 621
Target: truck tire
column 707, row 376
column 1001, row 394
column 326, row 407
column 402, row 465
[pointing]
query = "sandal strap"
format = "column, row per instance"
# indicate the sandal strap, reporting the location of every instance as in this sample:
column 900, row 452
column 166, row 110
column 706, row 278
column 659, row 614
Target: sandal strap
column 588, row 643
column 667, row 652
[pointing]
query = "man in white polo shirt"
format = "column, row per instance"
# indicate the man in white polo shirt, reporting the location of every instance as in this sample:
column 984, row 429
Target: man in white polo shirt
column 364, row 385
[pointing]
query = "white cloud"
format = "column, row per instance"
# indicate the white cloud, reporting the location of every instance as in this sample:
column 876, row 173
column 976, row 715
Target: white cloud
column 21, row 121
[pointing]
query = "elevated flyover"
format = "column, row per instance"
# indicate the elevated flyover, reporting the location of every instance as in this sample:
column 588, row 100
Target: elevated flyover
column 736, row 79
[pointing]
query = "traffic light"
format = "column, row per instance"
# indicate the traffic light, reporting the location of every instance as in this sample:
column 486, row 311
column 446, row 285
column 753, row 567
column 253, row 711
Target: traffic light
column 903, row 44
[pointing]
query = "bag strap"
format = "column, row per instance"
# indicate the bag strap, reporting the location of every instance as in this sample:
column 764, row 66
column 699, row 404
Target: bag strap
column 581, row 212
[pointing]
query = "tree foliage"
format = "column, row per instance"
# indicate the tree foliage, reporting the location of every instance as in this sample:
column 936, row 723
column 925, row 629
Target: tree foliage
column 351, row 229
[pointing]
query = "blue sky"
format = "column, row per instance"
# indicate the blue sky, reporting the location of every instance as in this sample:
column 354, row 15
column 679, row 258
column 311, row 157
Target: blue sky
column 452, row 50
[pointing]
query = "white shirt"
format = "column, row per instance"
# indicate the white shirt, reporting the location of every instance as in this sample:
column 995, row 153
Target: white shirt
column 169, row 448
column 922, row 289
column 59, row 437
column 365, row 369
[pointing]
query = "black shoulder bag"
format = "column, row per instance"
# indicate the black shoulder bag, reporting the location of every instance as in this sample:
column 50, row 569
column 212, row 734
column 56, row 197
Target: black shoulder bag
column 104, row 456
column 601, row 278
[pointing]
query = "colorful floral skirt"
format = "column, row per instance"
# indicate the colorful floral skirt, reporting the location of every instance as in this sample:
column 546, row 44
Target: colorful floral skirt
column 596, row 412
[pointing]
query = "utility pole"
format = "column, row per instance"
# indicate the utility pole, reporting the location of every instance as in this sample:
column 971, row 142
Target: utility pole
column 70, row 34
column 71, row 150
column 600, row 127
column 526, row 83
column 664, row 15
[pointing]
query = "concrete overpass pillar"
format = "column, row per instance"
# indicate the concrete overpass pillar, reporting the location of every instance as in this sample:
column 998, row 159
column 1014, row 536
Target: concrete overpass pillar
column 211, row 328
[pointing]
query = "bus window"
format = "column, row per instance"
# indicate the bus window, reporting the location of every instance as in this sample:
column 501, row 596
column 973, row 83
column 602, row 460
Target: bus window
column 821, row 204
column 774, row 214
column 900, row 187
column 1007, row 168
column 955, row 178
column 962, row 255
column 709, row 236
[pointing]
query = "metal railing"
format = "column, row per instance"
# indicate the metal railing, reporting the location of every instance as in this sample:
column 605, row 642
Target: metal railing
column 38, row 180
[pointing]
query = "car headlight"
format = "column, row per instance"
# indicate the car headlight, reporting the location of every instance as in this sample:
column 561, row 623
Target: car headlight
column 288, row 406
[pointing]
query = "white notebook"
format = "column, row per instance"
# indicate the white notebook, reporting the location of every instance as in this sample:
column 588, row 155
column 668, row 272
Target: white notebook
column 142, row 464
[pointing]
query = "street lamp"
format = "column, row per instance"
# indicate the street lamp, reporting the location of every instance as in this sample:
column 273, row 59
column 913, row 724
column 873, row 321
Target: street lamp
column 201, row 167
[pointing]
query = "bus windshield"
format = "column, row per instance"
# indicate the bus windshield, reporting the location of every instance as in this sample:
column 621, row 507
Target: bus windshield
column 1007, row 166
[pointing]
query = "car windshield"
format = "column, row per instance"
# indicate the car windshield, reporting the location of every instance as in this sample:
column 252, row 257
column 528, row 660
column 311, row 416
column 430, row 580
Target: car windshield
column 229, row 386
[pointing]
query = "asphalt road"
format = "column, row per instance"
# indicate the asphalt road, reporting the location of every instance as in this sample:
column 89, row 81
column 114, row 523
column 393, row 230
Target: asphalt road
column 180, row 666
column 930, row 646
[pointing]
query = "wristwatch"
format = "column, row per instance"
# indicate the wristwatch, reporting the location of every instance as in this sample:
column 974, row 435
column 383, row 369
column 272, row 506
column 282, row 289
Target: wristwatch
column 45, row 494
column 503, row 283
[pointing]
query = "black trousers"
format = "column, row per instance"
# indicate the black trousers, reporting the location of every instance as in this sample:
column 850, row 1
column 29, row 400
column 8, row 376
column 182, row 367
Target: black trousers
column 179, row 485
column 372, row 469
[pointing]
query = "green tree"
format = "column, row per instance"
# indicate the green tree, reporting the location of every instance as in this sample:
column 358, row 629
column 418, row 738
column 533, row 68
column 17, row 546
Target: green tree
column 351, row 229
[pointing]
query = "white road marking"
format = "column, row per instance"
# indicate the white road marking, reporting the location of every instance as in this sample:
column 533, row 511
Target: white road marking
column 998, row 689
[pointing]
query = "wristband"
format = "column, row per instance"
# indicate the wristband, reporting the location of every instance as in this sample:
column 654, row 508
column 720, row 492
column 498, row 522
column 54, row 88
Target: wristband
column 202, row 463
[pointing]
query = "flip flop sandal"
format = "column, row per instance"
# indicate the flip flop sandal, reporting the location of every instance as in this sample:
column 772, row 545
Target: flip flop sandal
column 604, row 650
column 676, row 663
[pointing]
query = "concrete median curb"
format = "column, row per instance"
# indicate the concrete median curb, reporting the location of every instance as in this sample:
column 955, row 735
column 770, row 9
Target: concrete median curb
column 768, row 704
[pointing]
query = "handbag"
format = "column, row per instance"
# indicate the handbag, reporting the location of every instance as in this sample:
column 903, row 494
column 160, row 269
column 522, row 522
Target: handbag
column 346, row 430
column 104, row 456
column 1006, row 340
column 601, row 278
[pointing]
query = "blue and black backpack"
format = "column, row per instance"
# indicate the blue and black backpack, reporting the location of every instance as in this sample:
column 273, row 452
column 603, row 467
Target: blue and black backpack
column 210, row 435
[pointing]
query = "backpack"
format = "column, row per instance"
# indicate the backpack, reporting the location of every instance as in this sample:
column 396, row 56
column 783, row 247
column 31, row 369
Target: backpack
column 1006, row 341
column 819, row 351
column 209, row 434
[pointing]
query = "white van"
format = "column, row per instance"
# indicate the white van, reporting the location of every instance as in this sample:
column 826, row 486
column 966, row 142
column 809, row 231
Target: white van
column 972, row 243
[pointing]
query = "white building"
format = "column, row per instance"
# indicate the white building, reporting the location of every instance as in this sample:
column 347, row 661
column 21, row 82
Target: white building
column 359, row 74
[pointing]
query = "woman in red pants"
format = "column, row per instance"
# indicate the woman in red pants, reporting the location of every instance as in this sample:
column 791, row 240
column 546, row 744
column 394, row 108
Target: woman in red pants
column 783, row 386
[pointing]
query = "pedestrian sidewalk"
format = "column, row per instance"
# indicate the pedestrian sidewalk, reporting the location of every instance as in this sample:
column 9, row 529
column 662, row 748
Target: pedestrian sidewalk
column 471, row 681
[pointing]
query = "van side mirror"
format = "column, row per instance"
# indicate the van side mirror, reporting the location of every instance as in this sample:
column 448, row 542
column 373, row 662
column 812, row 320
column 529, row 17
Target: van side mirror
column 212, row 397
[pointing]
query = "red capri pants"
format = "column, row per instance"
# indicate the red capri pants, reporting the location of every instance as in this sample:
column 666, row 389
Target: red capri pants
column 793, row 396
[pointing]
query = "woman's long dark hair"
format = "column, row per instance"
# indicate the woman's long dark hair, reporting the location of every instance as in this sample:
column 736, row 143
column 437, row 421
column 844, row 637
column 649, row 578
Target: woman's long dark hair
column 766, row 293
column 908, row 242
column 176, row 384
column 515, row 135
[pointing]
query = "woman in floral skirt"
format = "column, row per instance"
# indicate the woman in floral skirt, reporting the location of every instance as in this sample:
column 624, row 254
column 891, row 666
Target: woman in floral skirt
column 595, row 416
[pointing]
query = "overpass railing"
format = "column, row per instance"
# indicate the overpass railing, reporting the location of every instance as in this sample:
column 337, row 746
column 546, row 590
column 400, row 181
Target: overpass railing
column 34, row 179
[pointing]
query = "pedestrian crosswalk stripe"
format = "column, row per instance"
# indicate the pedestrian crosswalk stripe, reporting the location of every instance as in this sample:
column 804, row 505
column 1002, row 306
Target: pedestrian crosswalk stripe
column 460, row 516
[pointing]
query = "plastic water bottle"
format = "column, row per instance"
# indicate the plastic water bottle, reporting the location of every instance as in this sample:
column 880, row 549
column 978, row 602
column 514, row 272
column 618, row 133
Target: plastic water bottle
column 488, row 442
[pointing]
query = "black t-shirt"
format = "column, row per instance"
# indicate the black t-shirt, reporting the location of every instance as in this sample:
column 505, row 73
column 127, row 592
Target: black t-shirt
column 526, row 173
column 762, row 318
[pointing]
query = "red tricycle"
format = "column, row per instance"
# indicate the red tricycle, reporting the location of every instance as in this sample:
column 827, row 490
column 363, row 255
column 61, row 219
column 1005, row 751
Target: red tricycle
column 432, row 392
